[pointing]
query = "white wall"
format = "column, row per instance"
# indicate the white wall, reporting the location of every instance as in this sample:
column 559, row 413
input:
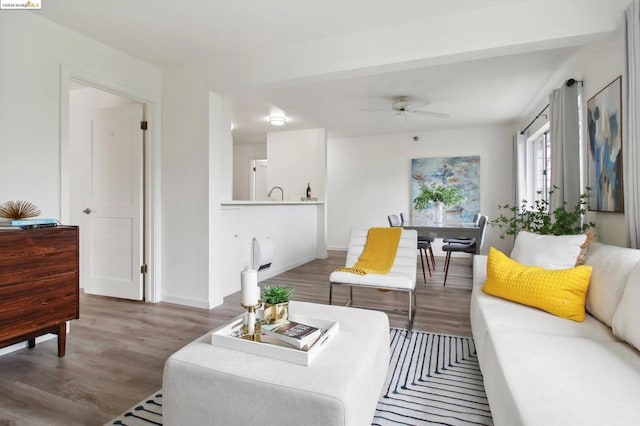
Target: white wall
column 296, row 158
column 600, row 65
column 292, row 229
column 243, row 154
column 32, row 52
column 197, row 176
column 185, row 187
column 220, row 188
column 369, row 177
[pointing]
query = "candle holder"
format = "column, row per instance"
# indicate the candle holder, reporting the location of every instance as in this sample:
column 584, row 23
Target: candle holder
column 247, row 332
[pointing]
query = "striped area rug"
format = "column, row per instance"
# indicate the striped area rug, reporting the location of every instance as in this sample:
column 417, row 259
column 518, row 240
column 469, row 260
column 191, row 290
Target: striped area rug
column 433, row 379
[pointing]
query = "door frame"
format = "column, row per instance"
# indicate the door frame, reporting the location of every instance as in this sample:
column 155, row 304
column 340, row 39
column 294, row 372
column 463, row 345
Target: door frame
column 151, row 199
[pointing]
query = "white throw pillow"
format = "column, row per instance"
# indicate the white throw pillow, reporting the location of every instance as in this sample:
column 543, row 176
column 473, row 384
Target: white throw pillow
column 612, row 267
column 547, row 251
column 626, row 321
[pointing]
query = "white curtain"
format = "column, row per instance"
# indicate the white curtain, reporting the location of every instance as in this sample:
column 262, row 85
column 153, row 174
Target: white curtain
column 565, row 146
column 630, row 147
column 519, row 169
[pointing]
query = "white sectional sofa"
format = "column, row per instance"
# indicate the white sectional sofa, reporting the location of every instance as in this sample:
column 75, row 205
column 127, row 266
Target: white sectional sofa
column 540, row 369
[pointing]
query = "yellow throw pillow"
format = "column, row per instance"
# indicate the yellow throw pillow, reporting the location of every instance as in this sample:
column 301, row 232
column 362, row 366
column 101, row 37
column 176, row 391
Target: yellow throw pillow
column 561, row 292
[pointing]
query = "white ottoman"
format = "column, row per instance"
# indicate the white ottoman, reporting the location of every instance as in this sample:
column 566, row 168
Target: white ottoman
column 205, row 384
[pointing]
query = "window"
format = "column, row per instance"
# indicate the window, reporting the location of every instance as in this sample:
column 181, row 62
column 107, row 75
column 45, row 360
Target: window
column 538, row 165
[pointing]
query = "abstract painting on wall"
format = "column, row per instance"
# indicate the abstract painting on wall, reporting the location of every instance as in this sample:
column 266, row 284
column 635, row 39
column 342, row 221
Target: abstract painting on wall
column 463, row 172
column 604, row 124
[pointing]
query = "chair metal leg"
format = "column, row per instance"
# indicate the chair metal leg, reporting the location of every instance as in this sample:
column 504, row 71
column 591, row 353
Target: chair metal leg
column 446, row 267
column 424, row 275
column 429, row 266
column 331, row 293
column 433, row 258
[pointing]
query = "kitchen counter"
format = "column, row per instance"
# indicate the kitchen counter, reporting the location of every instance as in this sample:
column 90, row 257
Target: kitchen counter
column 268, row 203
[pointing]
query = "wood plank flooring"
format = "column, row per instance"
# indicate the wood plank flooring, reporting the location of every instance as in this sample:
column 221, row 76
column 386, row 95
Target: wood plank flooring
column 117, row 349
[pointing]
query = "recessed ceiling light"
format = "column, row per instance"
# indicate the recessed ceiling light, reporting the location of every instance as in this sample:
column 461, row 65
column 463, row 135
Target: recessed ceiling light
column 277, row 120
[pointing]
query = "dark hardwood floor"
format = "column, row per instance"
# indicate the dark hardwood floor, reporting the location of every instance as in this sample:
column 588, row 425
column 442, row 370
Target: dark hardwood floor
column 117, row 349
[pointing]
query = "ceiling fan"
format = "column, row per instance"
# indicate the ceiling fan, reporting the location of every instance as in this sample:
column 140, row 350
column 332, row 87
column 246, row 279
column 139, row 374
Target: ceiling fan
column 401, row 105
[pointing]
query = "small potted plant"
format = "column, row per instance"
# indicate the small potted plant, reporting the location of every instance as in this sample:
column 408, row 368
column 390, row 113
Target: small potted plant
column 438, row 196
column 276, row 303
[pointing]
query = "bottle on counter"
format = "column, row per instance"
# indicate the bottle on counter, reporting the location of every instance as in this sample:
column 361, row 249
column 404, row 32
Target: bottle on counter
column 308, row 191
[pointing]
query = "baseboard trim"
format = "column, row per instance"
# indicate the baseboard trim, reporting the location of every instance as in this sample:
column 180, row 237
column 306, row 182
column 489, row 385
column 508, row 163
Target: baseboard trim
column 186, row 301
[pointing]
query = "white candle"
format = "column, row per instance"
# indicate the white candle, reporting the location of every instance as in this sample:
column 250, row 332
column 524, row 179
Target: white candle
column 249, row 287
column 251, row 322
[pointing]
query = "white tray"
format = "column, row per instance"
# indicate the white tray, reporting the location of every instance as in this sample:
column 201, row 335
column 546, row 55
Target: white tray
column 274, row 348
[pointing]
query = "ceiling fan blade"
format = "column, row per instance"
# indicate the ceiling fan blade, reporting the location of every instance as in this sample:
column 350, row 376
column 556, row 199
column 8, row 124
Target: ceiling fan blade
column 430, row 114
column 375, row 110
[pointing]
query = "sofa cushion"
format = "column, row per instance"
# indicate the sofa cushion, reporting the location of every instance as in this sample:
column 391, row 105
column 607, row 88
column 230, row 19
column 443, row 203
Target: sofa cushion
column 536, row 378
column 548, row 251
column 492, row 313
column 559, row 292
column 626, row 320
column 611, row 268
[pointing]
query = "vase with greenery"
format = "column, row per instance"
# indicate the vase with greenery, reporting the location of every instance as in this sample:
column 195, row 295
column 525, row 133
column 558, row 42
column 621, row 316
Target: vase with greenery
column 537, row 217
column 276, row 303
column 438, row 196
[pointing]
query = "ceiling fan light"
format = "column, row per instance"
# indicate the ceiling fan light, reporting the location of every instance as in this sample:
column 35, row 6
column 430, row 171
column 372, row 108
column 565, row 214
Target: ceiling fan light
column 277, row 120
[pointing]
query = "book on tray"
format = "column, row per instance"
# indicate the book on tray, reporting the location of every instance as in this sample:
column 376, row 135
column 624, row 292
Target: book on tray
column 302, row 336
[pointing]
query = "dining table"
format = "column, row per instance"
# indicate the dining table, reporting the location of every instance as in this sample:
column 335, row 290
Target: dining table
column 450, row 228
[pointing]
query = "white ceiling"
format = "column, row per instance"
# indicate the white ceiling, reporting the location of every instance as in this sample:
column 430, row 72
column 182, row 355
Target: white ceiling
column 479, row 92
column 484, row 92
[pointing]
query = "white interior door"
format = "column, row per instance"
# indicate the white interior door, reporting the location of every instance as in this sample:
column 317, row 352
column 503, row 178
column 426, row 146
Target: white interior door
column 259, row 180
column 112, row 227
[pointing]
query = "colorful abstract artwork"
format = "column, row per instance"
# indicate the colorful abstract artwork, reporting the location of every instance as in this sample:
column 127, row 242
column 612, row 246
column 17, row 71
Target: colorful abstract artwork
column 463, row 172
column 604, row 123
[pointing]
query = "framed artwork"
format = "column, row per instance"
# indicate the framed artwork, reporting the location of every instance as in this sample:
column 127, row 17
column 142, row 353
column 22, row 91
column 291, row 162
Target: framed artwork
column 463, row 172
column 604, row 129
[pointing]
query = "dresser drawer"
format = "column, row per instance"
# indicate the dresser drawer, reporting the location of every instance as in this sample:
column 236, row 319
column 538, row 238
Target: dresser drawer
column 36, row 257
column 37, row 305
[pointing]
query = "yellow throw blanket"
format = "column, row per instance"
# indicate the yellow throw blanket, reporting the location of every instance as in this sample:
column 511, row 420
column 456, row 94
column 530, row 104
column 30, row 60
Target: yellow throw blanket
column 379, row 252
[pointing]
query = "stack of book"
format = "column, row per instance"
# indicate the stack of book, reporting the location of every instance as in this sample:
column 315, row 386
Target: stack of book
column 28, row 223
column 298, row 335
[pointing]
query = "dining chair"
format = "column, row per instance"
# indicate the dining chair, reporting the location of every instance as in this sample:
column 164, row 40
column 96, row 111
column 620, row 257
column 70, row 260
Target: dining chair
column 423, row 246
column 405, row 219
column 394, row 220
column 476, row 218
column 472, row 246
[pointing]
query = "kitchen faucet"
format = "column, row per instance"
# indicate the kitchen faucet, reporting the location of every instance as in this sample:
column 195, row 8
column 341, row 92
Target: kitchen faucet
column 281, row 192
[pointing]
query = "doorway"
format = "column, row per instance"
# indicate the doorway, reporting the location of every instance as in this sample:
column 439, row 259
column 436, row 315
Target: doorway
column 106, row 190
column 258, row 180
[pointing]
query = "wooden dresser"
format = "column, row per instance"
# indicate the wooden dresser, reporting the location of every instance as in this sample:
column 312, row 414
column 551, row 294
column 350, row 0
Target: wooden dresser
column 39, row 283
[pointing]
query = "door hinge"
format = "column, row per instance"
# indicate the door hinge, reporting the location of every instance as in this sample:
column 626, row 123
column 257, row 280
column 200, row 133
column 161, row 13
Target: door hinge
column 254, row 169
column 143, row 269
column 143, row 125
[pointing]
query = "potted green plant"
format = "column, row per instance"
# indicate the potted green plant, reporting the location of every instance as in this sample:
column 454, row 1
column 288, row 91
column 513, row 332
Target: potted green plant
column 537, row 218
column 438, row 196
column 276, row 303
